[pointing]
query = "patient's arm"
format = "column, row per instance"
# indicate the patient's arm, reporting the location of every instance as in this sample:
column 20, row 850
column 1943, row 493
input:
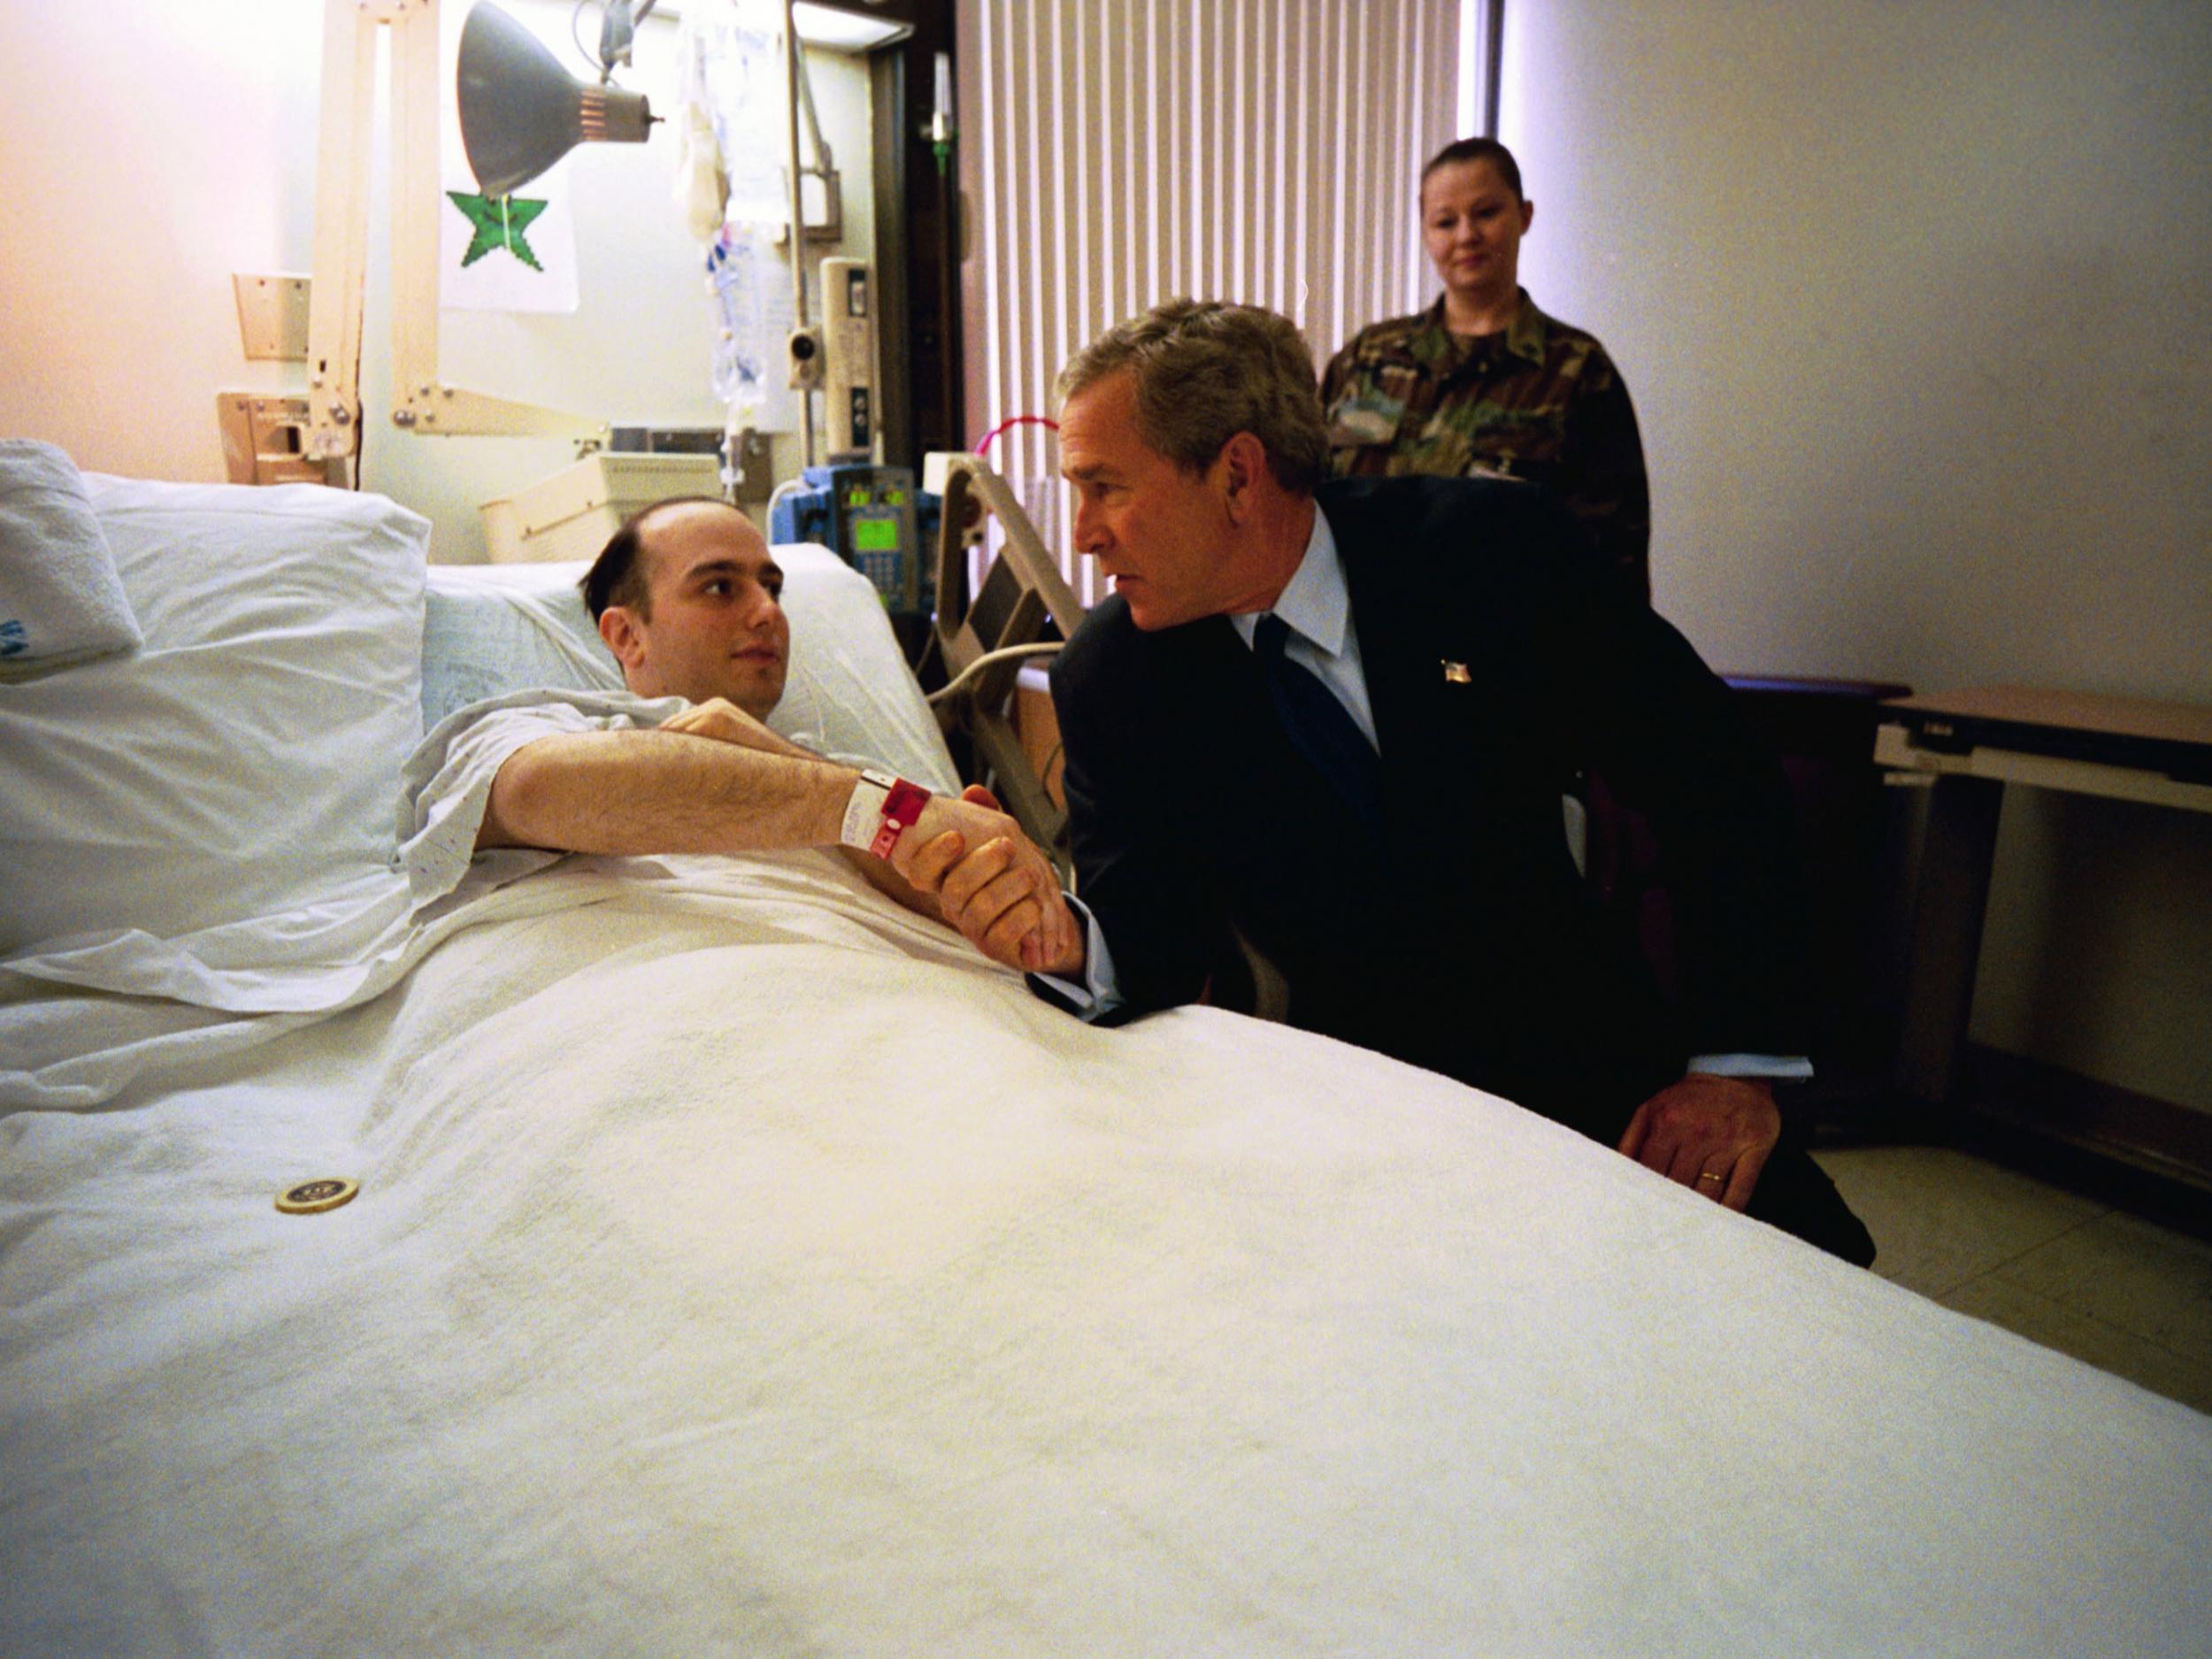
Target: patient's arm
column 1001, row 932
column 719, row 717
column 644, row 792
column 680, row 791
column 723, row 720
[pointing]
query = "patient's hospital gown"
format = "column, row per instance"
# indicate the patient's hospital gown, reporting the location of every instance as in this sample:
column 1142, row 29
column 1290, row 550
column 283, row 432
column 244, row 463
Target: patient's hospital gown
column 448, row 782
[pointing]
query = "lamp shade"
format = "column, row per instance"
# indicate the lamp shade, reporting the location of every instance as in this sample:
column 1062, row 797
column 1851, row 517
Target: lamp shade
column 521, row 112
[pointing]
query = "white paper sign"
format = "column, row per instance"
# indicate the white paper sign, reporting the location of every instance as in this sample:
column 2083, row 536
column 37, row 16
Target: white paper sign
column 515, row 254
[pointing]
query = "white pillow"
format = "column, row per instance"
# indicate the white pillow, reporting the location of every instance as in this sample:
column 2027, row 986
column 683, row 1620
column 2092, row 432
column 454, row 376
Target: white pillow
column 492, row 629
column 489, row 630
column 60, row 601
column 247, row 759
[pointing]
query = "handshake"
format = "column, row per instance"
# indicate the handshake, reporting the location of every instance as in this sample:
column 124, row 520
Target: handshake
column 991, row 882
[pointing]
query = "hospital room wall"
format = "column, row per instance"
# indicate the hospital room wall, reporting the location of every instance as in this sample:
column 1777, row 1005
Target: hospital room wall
column 1914, row 304
column 150, row 149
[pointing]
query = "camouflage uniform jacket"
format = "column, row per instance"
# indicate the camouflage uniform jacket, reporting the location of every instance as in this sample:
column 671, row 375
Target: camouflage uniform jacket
column 1539, row 401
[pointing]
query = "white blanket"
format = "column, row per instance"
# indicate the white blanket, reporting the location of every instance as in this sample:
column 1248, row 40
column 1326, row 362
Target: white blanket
column 740, row 1266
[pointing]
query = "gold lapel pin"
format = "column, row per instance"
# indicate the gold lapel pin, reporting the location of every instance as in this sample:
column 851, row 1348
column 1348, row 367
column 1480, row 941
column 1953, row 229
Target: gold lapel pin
column 1456, row 674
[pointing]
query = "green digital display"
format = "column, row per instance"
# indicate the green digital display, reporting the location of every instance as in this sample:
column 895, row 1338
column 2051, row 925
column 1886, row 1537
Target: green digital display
column 875, row 535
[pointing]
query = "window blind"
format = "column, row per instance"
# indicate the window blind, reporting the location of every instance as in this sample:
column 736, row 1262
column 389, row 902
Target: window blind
column 1115, row 153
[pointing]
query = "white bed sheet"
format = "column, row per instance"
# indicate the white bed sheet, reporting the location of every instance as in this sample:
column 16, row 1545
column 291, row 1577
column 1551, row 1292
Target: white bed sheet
column 742, row 1267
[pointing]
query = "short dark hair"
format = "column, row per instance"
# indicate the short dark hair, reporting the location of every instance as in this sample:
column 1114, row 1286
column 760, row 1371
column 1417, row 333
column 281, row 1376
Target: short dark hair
column 1466, row 149
column 1206, row 370
column 615, row 577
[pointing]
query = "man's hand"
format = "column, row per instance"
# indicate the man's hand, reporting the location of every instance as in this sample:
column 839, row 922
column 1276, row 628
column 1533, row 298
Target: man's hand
column 992, row 883
column 1711, row 1134
column 724, row 721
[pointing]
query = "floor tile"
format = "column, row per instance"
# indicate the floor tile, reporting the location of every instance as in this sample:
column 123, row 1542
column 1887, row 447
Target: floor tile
column 2021, row 1311
column 1941, row 1218
column 2129, row 1274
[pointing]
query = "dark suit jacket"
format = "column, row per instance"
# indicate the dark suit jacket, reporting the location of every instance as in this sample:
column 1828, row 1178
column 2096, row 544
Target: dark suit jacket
column 1461, row 938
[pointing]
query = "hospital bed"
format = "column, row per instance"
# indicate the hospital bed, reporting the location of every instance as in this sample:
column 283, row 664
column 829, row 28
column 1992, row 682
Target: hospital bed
column 739, row 1265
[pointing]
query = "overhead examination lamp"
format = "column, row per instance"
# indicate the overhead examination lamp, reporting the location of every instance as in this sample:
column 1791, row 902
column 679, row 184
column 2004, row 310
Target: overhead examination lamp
column 520, row 113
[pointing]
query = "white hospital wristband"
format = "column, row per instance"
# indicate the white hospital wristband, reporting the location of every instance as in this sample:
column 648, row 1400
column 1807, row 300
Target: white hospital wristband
column 865, row 811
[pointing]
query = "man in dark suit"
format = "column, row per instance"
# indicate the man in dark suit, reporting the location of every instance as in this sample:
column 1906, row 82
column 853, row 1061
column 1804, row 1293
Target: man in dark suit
column 1337, row 717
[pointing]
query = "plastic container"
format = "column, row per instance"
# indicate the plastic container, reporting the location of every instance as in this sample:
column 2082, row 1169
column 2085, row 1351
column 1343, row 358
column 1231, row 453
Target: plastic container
column 571, row 513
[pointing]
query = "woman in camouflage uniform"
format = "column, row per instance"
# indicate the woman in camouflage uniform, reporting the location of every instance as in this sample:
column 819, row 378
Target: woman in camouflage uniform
column 1482, row 381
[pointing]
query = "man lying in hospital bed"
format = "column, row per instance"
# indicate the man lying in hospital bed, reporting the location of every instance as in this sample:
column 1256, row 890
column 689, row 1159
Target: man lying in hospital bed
column 743, row 1263
column 687, row 597
column 200, row 832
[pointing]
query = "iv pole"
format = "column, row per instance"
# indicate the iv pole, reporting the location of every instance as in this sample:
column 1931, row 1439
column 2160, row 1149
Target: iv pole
column 798, row 235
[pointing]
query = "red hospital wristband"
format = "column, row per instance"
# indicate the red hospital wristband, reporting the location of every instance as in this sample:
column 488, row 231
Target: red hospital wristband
column 900, row 808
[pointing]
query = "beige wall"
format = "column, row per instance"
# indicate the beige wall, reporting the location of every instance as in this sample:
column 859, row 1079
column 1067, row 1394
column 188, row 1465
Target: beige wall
column 151, row 147
column 1913, row 300
column 147, row 151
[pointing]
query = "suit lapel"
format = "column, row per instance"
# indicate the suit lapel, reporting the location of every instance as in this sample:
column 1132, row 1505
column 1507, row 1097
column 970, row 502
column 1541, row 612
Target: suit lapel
column 1247, row 746
column 1393, row 653
column 1427, row 685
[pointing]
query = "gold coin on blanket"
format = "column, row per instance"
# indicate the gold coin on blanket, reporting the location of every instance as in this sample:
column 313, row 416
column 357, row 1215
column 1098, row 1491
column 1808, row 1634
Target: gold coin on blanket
column 310, row 1198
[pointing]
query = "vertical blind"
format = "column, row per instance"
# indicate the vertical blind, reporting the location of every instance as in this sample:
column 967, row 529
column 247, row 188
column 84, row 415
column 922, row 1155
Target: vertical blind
column 1115, row 153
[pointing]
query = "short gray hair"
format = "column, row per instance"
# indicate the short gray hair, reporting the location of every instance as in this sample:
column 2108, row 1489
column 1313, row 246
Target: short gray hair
column 1206, row 370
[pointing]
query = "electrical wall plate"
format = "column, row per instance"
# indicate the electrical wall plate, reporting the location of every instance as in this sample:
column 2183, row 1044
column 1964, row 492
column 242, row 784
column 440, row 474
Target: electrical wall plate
column 271, row 315
column 849, row 336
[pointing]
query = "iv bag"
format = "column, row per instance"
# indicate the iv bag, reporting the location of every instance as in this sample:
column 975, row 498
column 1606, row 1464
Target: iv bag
column 750, row 286
column 733, row 69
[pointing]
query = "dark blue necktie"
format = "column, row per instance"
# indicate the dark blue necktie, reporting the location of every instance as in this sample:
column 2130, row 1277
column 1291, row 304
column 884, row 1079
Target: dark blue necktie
column 1321, row 727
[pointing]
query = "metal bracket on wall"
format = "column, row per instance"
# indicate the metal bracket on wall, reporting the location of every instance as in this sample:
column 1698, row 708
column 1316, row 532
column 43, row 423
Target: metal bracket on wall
column 265, row 441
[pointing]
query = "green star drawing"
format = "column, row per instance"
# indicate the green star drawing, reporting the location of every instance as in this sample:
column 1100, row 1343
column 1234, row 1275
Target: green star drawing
column 499, row 222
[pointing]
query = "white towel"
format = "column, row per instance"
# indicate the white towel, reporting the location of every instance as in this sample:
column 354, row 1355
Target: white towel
column 60, row 599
